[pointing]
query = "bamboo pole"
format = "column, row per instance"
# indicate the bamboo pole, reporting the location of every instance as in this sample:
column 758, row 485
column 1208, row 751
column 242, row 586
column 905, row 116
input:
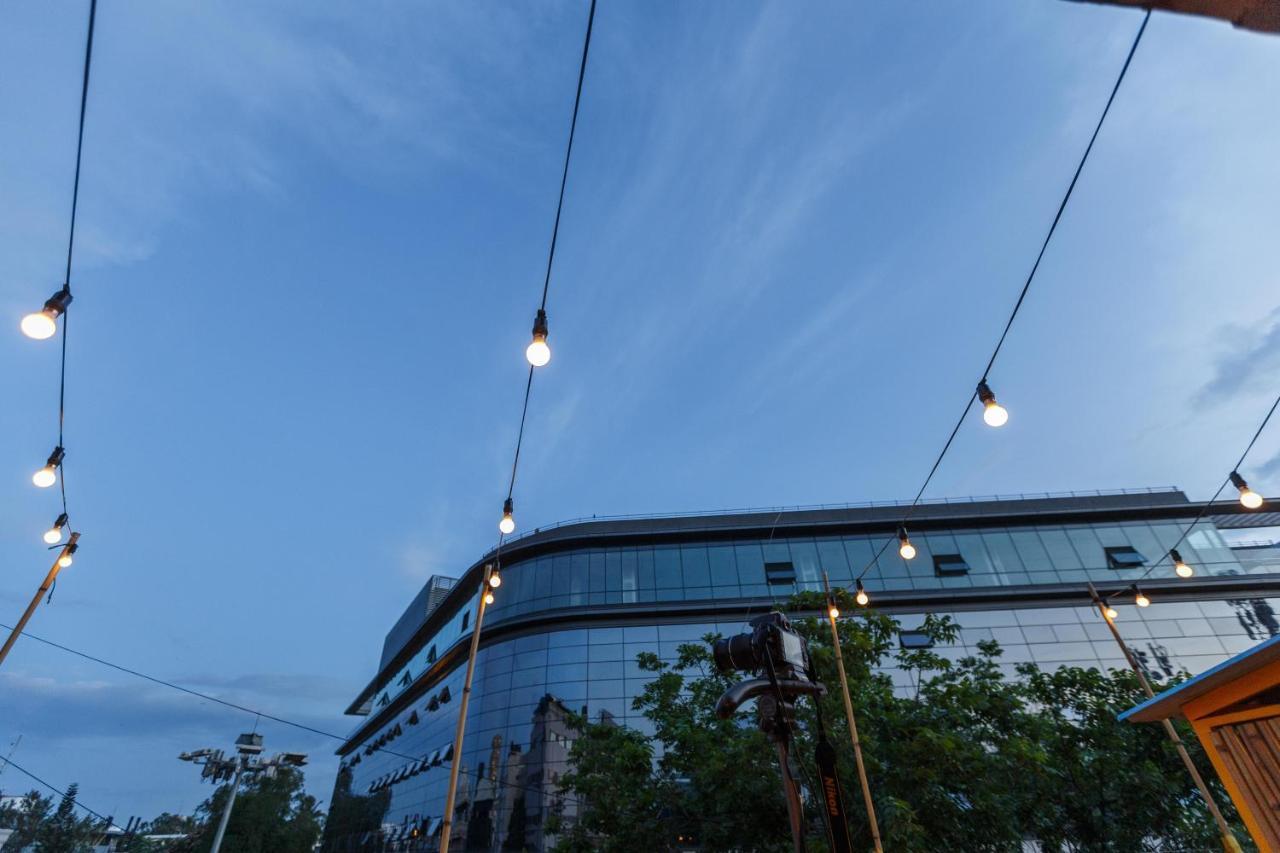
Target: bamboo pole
column 446, row 828
column 1229, row 842
column 853, row 726
column 35, row 601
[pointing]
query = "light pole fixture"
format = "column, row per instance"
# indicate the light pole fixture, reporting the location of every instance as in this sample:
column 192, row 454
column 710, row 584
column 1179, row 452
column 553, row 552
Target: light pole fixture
column 219, row 767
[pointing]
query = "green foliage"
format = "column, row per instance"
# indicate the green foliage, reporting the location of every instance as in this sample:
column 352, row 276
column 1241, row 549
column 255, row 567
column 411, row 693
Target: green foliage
column 973, row 761
column 37, row 824
column 270, row 815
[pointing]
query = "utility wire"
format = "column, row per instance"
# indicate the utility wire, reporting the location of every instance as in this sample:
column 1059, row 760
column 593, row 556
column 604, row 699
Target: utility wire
column 1022, row 295
column 11, row 763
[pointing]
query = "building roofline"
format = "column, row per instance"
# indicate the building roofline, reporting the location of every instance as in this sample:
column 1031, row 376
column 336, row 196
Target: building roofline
column 1042, row 508
column 901, row 601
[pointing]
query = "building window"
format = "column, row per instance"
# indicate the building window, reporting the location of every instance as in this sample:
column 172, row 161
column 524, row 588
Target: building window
column 915, row 640
column 406, row 678
column 950, row 564
column 1124, row 557
column 780, row 573
column 466, row 620
column 431, row 655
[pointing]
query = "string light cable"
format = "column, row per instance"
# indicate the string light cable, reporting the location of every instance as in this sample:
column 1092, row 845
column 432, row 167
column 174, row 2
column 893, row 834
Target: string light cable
column 43, row 324
column 993, row 413
column 1181, row 567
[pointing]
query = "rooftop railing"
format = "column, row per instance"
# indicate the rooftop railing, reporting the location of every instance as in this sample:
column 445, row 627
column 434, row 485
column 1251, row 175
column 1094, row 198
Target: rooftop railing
column 1022, row 496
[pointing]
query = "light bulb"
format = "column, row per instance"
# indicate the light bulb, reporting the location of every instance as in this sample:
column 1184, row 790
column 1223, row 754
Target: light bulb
column 39, row 326
column 44, row 323
column 495, row 580
column 1141, row 600
column 65, row 559
column 1248, row 497
column 861, row 597
column 833, row 612
column 53, row 535
column 538, row 353
column 905, row 549
column 488, row 598
column 48, row 475
column 1179, row 566
column 993, row 413
column 1111, row 612
column 508, row 522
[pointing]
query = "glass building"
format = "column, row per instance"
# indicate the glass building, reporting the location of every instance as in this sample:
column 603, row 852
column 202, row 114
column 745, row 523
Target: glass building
column 581, row 599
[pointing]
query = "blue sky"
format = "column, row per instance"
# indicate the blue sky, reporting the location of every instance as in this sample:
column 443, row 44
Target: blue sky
column 311, row 243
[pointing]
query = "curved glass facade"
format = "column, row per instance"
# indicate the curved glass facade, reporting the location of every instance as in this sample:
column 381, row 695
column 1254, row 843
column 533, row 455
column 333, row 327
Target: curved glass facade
column 567, row 624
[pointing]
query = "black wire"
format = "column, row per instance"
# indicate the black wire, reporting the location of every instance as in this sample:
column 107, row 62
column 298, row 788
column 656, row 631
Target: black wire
column 555, row 233
column 1063, row 206
column 1205, row 508
column 1023, row 294
column 11, row 763
column 71, row 239
column 573, row 124
column 84, row 99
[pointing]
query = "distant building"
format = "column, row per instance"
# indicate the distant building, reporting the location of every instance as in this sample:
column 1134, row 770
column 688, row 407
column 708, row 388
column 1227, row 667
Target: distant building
column 580, row 600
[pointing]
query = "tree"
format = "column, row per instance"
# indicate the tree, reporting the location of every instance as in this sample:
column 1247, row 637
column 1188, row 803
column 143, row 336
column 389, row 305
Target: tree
column 25, row 818
column 973, row 761
column 271, row 814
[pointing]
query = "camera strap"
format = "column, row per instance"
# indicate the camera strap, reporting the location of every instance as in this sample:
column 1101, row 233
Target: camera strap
column 832, row 794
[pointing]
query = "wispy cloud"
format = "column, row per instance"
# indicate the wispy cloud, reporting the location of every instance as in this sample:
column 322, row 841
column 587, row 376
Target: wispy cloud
column 1250, row 361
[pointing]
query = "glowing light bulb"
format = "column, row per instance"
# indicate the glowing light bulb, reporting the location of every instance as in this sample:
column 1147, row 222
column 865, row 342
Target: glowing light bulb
column 1111, row 612
column 538, row 353
column 495, row 580
column 48, row 475
column 861, row 597
column 53, row 535
column 833, row 612
column 993, row 413
column 508, row 522
column 1248, row 497
column 1179, row 566
column 44, row 323
column 905, row 549
column 65, row 559
column 39, row 326
column 1141, row 600
column 488, row 598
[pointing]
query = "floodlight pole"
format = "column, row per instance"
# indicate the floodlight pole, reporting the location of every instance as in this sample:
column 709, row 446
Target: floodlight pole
column 853, row 726
column 1229, row 842
column 446, row 827
column 35, row 601
column 226, row 811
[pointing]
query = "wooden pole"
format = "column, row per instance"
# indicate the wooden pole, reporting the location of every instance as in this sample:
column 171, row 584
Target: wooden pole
column 853, row 726
column 35, row 601
column 1229, row 842
column 446, row 828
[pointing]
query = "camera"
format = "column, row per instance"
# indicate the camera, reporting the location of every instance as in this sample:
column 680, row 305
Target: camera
column 771, row 639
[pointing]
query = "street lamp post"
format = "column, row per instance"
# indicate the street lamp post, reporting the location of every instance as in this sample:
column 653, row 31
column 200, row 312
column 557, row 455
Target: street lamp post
column 219, row 767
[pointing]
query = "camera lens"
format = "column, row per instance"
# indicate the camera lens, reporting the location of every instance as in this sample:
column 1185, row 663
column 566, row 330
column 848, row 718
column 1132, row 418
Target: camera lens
column 735, row 653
